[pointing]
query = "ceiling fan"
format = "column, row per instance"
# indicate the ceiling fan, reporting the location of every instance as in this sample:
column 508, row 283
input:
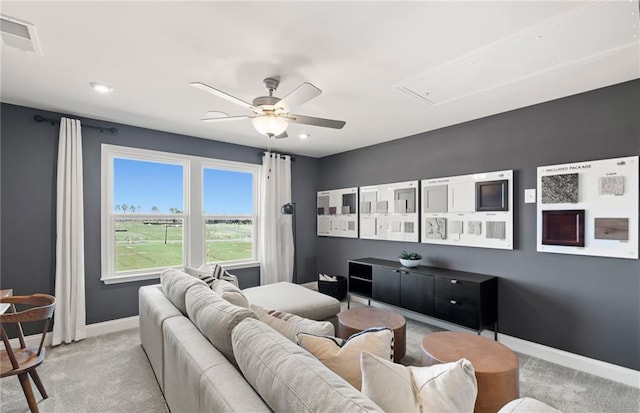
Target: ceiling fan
column 271, row 115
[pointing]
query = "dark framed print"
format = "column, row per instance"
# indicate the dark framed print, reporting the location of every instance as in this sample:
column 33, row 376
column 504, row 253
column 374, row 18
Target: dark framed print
column 492, row 195
column 563, row 227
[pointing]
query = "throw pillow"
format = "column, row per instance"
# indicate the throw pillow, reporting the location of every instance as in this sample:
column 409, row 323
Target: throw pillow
column 290, row 324
column 209, row 274
column 288, row 378
column 221, row 274
column 449, row 387
column 230, row 292
column 343, row 356
column 214, row 317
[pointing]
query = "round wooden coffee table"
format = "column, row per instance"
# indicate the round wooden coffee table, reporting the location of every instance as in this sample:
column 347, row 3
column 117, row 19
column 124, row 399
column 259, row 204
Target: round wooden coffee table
column 496, row 366
column 357, row 319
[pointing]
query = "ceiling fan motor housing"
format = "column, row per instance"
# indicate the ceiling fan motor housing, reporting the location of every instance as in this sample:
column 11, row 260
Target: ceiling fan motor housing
column 265, row 100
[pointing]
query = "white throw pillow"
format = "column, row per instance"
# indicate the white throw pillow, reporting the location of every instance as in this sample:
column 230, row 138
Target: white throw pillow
column 442, row 388
column 343, row 356
column 230, row 292
column 290, row 324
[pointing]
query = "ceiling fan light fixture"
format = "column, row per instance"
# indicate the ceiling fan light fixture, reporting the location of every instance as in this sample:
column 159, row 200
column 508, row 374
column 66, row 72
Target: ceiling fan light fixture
column 269, row 125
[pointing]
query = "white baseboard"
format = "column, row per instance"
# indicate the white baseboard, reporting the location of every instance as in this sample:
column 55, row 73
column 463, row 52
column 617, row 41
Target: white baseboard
column 563, row 358
column 599, row 368
column 113, row 326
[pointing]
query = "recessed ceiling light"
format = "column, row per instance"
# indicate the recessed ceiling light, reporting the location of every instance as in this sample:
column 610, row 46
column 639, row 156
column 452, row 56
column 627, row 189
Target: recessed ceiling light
column 304, row 135
column 101, row 87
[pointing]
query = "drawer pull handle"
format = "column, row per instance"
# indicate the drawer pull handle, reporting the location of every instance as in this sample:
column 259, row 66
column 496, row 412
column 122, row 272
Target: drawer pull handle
column 454, row 281
column 453, row 302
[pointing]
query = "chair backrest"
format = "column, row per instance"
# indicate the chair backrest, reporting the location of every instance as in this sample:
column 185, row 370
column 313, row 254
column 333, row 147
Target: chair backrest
column 42, row 306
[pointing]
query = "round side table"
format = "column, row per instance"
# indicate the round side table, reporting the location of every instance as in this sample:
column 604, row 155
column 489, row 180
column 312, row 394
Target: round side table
column 496, row 366
column 355, row 320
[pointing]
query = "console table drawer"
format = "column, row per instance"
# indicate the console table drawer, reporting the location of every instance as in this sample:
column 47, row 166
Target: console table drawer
column 457, row 312
column 454, row 289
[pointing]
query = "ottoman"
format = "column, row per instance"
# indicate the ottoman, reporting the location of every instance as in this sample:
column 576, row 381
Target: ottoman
column 496, row 366
column 295, row 299
column 354, row 320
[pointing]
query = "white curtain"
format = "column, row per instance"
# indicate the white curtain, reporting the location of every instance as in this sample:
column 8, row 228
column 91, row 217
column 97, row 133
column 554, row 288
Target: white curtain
column 69, row 316
column 276, row 234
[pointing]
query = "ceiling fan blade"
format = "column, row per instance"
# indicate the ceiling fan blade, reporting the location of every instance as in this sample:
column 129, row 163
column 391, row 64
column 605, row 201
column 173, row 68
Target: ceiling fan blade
column 223, row 95
column 308, row 120
column 282, row 135
column 226, row 118
column 302, row 94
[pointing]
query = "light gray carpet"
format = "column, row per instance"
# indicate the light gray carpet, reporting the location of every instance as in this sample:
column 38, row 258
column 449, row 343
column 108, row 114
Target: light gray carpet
column 568, row 390
column 108, row 373
column 111, row 373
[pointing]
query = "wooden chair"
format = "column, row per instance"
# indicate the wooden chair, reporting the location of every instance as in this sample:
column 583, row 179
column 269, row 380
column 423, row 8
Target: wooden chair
column 24, row 360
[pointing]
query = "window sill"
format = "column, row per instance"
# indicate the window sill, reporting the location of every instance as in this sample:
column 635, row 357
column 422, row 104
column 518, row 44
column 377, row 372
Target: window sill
column 129, row 278
column 118, row 279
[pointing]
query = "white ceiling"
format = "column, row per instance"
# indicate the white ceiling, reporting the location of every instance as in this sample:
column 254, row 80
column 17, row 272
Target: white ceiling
column 474, row 59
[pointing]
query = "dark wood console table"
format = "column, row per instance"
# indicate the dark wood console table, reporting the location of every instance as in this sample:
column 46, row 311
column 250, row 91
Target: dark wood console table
column 459, row 297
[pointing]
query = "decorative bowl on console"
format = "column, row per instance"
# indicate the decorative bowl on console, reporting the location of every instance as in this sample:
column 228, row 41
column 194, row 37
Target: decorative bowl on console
column 410, row 259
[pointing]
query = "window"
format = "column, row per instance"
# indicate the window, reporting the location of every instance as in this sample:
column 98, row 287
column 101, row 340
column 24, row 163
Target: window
column 164, row 210
column 228, row 207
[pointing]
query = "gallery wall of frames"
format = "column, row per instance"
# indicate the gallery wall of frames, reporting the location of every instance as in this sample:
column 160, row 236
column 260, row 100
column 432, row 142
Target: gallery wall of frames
column 583, row 208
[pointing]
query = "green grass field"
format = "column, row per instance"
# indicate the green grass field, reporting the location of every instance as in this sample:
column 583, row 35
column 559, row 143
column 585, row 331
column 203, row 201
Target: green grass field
column 140, row 245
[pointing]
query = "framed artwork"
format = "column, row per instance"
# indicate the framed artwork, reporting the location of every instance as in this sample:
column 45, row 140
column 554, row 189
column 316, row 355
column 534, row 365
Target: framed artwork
column 394, row 207
column 477, row 208
column 335, row 213
column 563, row 227
column 607, row 190
column 492, row 195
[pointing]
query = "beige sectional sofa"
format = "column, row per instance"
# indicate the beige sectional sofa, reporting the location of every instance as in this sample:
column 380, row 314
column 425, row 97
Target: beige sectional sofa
column 211, row 356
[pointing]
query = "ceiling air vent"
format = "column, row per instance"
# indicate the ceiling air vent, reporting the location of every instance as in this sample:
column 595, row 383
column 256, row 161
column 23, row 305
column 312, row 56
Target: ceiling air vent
column 19, row 34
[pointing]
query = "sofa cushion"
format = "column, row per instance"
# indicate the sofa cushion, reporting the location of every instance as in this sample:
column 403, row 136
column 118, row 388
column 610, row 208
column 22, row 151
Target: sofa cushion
column 343, row 356
column 230, row 292
column 198, row 378
column 288, row 378
column 154, row 308
column 445, row 388
column 295, row 299
column 175, row 284
column 527, row 405
column 215, row 317
column 289, row 324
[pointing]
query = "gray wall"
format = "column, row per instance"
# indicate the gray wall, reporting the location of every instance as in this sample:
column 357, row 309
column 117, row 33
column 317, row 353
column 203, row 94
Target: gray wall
column 28, row 167
column 585, row 305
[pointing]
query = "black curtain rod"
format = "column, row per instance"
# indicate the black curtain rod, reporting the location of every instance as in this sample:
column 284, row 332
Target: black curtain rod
column 40, row 118
column 293, row 159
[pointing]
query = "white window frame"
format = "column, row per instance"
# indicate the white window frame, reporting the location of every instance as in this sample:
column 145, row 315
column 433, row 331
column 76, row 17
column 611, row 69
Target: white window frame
column 236, row 167
column 194, row 248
